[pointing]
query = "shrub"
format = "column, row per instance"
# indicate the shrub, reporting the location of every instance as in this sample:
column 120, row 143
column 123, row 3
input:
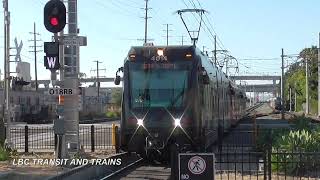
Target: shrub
column 4, row 154
column 299, row 140
column 109, row 114
column 287, row 145
column 269, row 137
column 112, row 114
column 302, row 123
column 287, row 151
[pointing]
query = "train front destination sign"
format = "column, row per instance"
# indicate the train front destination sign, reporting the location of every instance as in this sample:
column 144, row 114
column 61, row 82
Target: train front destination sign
column 62, row 91
column 196, row 166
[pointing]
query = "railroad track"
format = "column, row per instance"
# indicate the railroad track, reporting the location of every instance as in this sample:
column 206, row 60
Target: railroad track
column 254, row 107
column 130, row 165
column 93, row 121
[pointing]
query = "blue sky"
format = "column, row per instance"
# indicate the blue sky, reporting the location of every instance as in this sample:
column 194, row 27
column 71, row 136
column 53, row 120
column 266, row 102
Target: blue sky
column 248, row 29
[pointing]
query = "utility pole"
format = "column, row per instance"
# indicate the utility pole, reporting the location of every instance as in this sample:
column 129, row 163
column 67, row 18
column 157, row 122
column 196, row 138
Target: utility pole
column 35, row 52
column 282, row 85
column 290, row 99
column 146, row 22
column 250, row 97
column 227, row 60
column 182, row 41
column 307, row 86
column 7, row 68
column 295, row 98
column 319, row 78
column 167, row 30
column 98, row 84
column 215, row 50
column 255, row 97
column 97, row 80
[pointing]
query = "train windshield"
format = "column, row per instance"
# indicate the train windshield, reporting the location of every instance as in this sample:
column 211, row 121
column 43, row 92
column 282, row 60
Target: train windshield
column 158, row 87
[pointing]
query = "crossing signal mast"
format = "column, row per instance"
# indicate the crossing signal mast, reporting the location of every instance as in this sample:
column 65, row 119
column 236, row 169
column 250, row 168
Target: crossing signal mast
column 54, row 19
column 66, row 48
column 195, row 33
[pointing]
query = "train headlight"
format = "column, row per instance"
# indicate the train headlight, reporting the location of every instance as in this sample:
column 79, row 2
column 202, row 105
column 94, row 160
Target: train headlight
column 160, row 52
column 140, row 122
column 177, row 122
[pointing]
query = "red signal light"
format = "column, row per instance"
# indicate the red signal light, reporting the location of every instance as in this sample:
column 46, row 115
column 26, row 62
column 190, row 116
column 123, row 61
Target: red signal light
column 54, row 16
column 54, row 21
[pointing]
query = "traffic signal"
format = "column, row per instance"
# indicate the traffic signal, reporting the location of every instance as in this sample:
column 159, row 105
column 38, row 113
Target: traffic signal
column 54, row 16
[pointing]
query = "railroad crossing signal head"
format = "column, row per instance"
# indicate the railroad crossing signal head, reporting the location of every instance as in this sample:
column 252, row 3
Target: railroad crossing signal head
column 54, row 16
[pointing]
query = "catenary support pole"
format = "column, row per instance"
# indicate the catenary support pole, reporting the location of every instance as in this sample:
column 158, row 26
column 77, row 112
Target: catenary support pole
column 282, row 85
column 319, row 78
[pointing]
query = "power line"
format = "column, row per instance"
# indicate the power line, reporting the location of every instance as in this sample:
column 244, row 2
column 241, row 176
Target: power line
column 119, row 9
column 167, row 34
column 125, row 3
column 259, row 59
column 157, row 16
column 35, row 51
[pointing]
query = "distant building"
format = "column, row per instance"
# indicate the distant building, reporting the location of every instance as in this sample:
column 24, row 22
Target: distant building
column 28, row 105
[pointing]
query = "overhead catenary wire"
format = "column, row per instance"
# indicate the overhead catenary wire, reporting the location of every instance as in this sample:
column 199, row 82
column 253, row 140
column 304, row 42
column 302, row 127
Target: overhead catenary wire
column 118, row 9
column 219, row 42
column 212, row 27
column 214, row 37
column 259, row 59
column 126, row 3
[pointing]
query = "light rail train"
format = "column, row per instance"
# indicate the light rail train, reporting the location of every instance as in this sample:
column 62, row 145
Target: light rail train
column 174, row 95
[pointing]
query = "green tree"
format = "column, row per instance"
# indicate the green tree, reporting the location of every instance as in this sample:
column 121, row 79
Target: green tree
column 117, row 97
column 295, row 78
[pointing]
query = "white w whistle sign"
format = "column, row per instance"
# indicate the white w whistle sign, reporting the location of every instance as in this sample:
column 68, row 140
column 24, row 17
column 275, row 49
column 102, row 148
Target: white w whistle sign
column 51, row 62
